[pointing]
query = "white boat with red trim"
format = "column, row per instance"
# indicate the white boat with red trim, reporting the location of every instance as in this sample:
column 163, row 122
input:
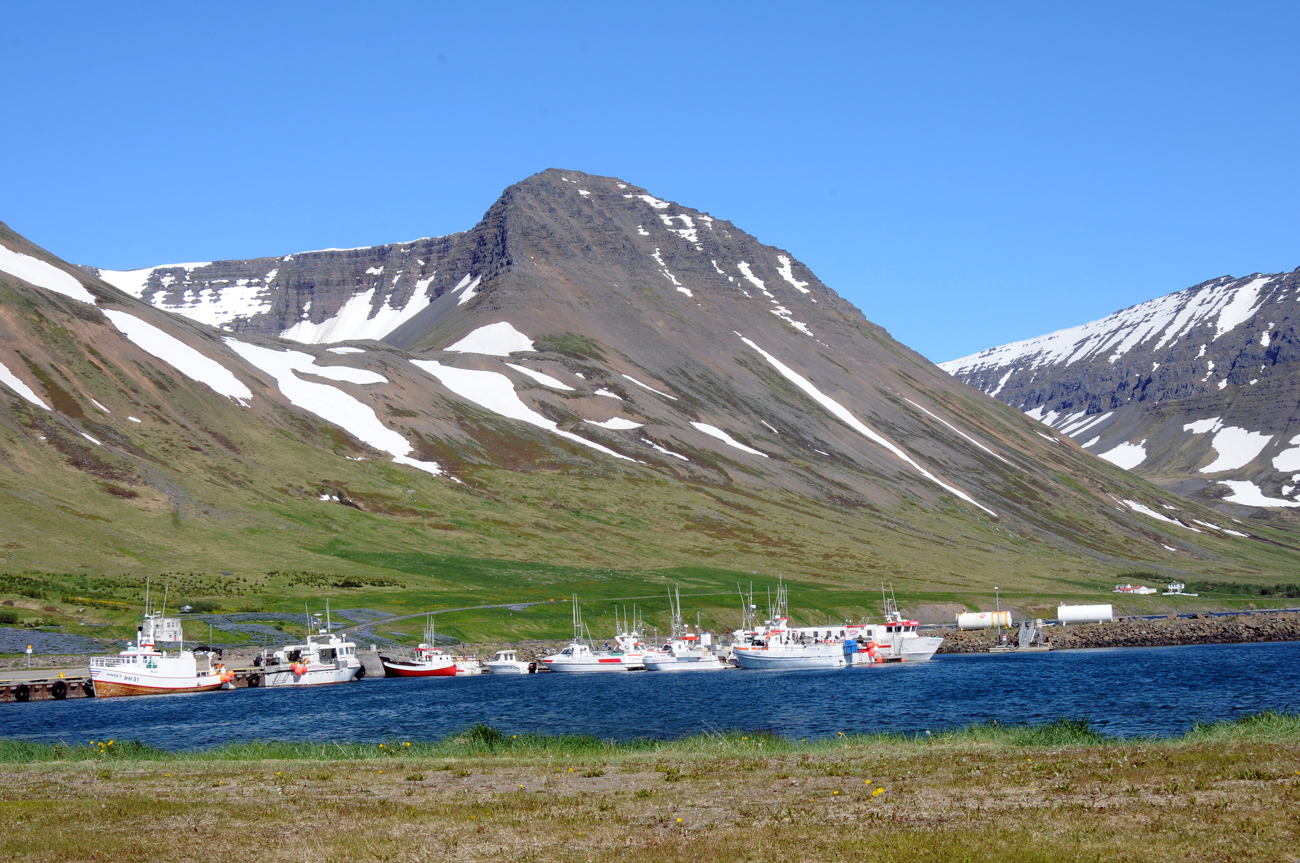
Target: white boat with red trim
column 684, row 650
column 579, row 657
column 895, row 640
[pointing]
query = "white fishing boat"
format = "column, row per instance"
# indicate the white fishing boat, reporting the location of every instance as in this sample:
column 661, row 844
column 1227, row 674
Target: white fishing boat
column 895, row 640
column 321, row 659
column 466, row 664
column 579, row 657
column 684, row 650
column 775, row 645
column 148, row 669
column 508, row 662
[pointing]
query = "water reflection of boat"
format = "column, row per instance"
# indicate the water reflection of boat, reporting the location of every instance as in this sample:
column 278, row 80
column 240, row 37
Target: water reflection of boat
column 146, row 669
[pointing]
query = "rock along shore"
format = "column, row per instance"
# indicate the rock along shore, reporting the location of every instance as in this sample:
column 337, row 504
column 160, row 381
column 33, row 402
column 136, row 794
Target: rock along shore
column 1131, row 632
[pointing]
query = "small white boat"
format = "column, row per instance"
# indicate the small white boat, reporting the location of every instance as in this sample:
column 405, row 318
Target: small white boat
column 579, row 657
column 507, row 662
column 684, row 655
column 145, row 669
column 684, row 650
column 321, row 659
column 467, row 665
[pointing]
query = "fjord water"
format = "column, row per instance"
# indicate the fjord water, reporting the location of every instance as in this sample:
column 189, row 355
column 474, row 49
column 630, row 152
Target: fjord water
column 1123, row 691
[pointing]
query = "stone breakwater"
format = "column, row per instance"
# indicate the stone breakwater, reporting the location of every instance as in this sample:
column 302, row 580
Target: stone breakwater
column 1128, row 632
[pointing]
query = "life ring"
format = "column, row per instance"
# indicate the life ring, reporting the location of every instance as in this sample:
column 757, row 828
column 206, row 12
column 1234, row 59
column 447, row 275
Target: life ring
column 23, row 693
column 59, row 690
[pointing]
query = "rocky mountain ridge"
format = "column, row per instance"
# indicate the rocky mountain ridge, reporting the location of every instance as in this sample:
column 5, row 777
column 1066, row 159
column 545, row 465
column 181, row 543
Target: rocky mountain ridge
column 1196, row 390
column 589, row 374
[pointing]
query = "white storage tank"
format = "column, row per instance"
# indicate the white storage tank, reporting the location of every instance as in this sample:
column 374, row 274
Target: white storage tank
column 984, row 619
column 1085, row 614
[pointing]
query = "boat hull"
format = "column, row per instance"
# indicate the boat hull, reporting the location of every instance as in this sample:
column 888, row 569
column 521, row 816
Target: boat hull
column 508, row 667
column 312, row 677
column 399, row 668
column 109, row 688
column 799, row 659
column 593, row 667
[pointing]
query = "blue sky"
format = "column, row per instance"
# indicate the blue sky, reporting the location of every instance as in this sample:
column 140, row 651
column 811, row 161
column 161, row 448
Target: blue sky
column 966, row 174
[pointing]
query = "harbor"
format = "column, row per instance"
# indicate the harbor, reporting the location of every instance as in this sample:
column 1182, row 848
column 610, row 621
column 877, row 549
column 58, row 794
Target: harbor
column 1121, row 691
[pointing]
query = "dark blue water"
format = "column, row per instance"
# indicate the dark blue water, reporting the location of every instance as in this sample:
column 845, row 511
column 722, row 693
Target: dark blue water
column 1124, row 691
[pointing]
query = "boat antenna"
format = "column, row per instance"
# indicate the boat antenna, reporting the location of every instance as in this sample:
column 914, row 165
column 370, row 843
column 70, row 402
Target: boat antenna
column 146, row 594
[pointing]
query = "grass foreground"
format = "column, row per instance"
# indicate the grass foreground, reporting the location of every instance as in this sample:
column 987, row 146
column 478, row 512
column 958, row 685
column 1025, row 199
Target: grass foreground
column 1058, row 791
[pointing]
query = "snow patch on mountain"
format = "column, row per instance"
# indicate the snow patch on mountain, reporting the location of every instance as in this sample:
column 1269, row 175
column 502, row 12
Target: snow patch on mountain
column 497, row 340
column 1288, row 460
column 43, row 275
column 786, row 272
column 1247, row 493
column 657, row 448
column 841, row 413
column 954, row 428
column 754, row 280
column 648, row 387
column 1148, row 511
column 714, row 431
column 1126, row 455
column 134, row 282
column 180, row 356
column 1236, row 447
column 470, row 291
column 663, row 269
column 494, row 392
column 356, row 320
column 331, row 403
column 616, row 424
column 1203, row 426
column 12, row 381
column 542, row 378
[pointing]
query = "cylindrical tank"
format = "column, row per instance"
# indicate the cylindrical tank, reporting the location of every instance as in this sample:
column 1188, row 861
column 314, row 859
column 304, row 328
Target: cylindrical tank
column 1085, row 614
column 983, row 619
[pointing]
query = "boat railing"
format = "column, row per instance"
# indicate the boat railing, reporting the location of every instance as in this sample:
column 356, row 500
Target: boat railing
column 105, row 661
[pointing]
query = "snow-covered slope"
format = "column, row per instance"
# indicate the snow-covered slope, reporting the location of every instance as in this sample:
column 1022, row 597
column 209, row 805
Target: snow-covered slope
column 1197, row 389
column 584, row 331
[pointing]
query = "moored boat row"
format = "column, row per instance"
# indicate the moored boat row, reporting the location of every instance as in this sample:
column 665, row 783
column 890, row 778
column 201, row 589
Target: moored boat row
column 324, row 657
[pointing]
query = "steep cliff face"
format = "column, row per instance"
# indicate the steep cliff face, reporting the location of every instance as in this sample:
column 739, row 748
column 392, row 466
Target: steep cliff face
column 590, row 373
column 1197, row 390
